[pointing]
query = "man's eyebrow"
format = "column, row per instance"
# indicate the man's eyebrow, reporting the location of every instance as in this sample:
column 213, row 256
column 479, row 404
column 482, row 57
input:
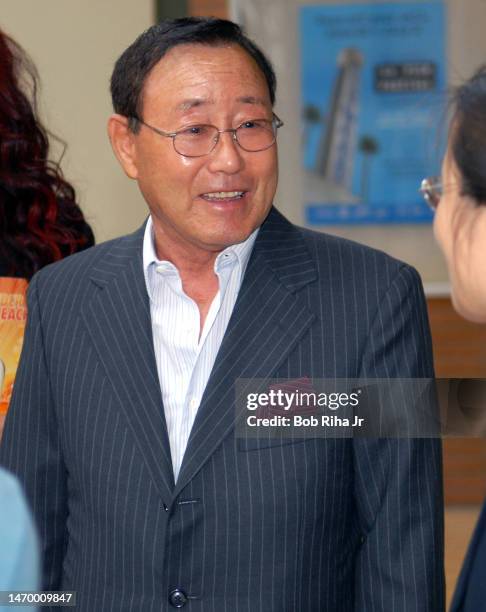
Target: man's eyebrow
column 252, row 100
column 192, row 103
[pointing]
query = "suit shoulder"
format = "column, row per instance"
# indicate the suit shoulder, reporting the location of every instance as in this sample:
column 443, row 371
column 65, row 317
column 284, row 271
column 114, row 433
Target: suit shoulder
column 324, row 245
column 82, row 264
column 366, row 268
column 66, row 281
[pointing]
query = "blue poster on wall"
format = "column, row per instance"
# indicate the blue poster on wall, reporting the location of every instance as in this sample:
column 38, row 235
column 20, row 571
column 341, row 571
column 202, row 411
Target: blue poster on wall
column 373, row 79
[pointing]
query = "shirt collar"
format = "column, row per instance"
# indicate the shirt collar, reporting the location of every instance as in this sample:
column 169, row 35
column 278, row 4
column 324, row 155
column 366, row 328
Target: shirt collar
column 236, row 253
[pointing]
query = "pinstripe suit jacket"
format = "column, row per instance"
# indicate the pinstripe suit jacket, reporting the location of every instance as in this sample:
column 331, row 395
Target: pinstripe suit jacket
column 250, row 525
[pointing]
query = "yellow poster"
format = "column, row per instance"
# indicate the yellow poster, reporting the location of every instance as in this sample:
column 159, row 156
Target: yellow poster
column 13, row 315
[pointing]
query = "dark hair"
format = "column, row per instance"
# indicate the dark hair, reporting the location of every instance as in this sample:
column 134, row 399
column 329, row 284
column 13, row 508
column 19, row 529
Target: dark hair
column 40, row 221
column 135, row 63
column 468, row 135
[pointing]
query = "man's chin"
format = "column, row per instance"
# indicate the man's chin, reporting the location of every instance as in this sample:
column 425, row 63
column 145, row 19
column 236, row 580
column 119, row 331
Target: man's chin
column 228, row 234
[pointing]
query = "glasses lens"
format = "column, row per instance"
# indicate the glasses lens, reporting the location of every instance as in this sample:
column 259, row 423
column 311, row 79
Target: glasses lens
column 196, row 140
column 256, row 135
column 431, row 189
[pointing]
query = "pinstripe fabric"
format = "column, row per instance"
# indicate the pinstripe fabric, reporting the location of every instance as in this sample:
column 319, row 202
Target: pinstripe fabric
column 185, row 356
column 250, row 525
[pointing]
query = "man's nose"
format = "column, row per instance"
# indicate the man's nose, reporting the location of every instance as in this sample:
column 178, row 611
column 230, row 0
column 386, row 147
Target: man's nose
column 226, row 155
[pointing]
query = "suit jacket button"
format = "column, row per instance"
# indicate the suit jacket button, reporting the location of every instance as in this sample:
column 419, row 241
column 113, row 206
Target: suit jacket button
column 177, row 598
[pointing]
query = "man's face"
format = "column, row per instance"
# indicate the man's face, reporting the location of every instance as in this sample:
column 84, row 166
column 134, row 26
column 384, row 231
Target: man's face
column 221, row 86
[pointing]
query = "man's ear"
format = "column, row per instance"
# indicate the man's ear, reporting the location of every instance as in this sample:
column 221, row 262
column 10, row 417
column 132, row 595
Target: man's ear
column 123, row 143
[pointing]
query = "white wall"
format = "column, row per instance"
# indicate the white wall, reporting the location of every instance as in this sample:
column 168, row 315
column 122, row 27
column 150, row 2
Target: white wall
column 273, row 24
column 74, row 45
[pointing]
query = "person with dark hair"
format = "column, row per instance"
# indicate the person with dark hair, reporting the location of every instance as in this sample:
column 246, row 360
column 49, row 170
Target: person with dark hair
column 134, row 65
column 459, row 198
column 146, row 496
column 40, row 221
column 461, row 190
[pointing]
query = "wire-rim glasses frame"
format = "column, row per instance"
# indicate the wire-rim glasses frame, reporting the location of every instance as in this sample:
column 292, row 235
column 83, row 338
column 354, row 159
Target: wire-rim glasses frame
column 268, row 132
column 432, row 190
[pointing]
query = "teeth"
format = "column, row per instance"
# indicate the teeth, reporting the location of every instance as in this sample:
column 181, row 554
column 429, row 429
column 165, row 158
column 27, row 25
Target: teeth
column 224, row 194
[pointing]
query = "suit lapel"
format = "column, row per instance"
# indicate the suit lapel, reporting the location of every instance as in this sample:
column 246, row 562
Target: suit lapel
column 118, row 321
column 269, row 318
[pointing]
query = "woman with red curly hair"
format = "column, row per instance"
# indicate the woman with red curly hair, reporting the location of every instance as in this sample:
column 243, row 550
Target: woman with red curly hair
column 40, row 221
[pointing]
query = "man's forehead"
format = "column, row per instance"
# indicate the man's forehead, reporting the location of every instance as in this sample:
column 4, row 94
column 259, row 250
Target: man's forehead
column 193, row 72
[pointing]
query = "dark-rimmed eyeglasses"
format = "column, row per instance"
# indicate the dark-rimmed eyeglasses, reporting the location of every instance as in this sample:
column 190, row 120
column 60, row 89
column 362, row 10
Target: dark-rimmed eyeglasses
column 431, row 189
column 197, row 140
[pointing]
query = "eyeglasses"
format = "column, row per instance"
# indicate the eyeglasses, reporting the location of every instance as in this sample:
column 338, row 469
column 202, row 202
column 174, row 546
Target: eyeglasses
column 431, row 189
column 198, row 140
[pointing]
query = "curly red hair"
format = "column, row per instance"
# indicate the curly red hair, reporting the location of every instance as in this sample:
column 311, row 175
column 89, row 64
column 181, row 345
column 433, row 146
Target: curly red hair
column 40, row 221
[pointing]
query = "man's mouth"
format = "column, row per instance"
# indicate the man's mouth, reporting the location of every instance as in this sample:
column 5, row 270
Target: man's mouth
column 222, row 196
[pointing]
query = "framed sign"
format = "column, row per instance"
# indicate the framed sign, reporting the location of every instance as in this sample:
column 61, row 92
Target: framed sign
column 373, row 78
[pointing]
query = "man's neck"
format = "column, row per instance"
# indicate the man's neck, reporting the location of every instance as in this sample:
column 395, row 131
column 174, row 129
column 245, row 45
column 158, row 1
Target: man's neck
column 196, row 269
column 192, row 261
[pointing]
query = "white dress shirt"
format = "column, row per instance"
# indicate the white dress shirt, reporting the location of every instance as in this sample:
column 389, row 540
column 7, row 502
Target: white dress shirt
column 185, row 358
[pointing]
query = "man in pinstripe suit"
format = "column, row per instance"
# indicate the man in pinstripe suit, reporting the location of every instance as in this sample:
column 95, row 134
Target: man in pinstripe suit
column 121, row 425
